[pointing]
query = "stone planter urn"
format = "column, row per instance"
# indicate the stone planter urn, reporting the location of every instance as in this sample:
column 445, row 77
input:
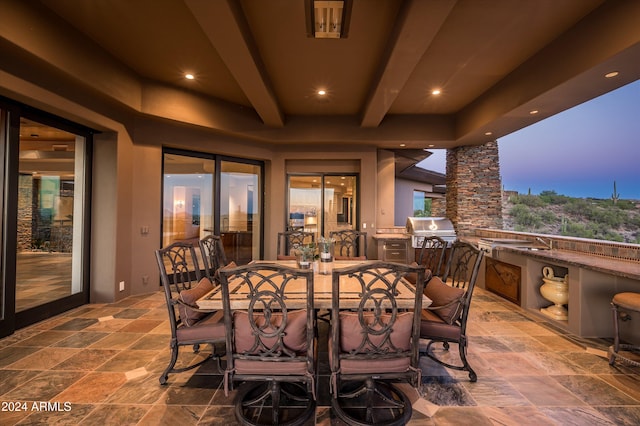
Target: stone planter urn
column 555, row 290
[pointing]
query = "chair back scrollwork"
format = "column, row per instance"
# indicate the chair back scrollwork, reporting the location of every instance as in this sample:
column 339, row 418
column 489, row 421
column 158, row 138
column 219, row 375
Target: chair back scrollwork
column 213, row 255
column 432, row 254
column 290, row 240
column 349, row 243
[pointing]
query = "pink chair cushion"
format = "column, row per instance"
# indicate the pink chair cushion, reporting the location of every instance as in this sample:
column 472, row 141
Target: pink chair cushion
column 431, row 325
column 295, row 338
column 412, row 277
column 209, row 328
column 188, row 315
column 442, row 294
column 351, row 331
column 369, row 366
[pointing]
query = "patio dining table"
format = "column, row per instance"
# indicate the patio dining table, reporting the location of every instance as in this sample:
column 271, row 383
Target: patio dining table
column 349, row 293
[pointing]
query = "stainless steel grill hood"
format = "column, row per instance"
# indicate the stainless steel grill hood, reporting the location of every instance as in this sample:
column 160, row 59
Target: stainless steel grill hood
column 420, row 227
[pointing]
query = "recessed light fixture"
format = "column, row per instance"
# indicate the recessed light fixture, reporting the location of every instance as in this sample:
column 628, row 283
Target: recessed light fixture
column 436, row 92
column 534, row 112
column 611, row 74
column 322, row 92
column 403, row 144
column 189, row 76
column 488, row 133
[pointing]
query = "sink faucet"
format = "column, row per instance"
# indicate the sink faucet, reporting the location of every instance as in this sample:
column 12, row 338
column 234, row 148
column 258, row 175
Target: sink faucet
column 548, row 244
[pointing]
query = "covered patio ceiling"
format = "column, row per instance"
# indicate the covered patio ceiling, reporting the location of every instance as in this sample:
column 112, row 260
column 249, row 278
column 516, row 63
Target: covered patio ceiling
column 258, row 69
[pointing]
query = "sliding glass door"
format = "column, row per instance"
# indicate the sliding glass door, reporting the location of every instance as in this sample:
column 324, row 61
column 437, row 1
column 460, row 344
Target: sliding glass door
column 322, row 203
column 46, row 228
column 240, row 212
column 188, row 197
column 205, row 194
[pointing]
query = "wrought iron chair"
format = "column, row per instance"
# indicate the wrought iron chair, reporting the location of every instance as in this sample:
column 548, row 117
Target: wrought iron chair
column 290, row 239
column 445, row 320
column 272, row 343
column 350, row 244
column 183, row 284
column 213, row 256
column 374, row 345
column 432, row 254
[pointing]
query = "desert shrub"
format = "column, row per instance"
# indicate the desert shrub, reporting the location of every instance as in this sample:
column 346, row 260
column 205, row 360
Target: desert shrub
column 624, row 204
column 577, row 206
column 610, row 217
column 524, row 218
column 530, row 200
column 548, row 217
column 551, row 197
column 574, row 229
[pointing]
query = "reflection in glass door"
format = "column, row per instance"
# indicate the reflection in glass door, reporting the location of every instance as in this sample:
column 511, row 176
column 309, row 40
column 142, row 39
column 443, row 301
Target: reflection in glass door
column 240, row 212
column 322, row 203
column 188, row 197
column 194, row 184
column 50, row 211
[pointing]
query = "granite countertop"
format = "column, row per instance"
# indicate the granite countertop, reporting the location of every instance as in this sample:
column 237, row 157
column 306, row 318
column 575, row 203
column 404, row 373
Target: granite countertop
column 607, row 265
column 391, row 236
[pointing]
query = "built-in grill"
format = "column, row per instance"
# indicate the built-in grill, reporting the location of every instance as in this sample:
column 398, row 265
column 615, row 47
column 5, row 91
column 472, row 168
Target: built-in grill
column 420, row 227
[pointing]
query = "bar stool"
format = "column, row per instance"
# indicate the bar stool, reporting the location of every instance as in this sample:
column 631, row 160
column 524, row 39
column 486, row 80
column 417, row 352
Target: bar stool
column 630, row 302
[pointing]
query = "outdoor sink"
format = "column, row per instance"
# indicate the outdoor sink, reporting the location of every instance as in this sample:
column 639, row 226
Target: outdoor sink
column 532, row 248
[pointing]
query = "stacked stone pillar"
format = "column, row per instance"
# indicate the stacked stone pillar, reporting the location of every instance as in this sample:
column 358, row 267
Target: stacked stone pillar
column 474, row 188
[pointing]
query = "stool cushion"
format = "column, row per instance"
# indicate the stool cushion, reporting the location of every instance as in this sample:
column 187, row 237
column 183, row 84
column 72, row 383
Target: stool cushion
column 628, row 300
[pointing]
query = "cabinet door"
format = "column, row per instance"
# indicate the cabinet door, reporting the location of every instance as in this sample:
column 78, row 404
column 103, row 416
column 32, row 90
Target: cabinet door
column 395, row 251
column 503, row 279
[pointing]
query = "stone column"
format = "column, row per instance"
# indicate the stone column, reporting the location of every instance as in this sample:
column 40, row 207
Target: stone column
column 438, row 207
column 474, row 188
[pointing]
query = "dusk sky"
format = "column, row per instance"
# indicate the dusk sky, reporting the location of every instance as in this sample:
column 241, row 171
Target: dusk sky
column 578, row 153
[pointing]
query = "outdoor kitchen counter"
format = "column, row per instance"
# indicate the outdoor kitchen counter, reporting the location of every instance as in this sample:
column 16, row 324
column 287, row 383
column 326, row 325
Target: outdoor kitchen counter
column 621, row 268
column 391, row 236
column 592, row 281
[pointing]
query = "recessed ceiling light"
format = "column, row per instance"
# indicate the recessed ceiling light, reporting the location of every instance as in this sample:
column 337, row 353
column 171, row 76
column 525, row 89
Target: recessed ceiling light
column 612, row 74
column 534, row 112
column 436, row 91
column 322, row 92
column 189, row 76
column 403, row 144
column 488, row 133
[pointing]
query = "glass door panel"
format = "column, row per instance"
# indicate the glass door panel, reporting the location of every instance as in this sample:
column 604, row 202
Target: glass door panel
column 188, row 198
column 305, row 204
column 322, row 203
column 50, row 211
column 240, row 212
column 339, row 203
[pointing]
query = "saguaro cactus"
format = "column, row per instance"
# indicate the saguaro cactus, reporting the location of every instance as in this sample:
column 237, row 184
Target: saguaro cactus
column 615, row 196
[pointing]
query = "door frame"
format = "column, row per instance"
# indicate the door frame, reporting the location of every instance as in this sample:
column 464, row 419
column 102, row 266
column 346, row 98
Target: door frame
column 10, row 320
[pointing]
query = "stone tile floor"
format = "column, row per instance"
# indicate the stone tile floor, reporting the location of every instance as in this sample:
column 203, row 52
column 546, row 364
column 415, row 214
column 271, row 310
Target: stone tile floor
column 99, row 364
